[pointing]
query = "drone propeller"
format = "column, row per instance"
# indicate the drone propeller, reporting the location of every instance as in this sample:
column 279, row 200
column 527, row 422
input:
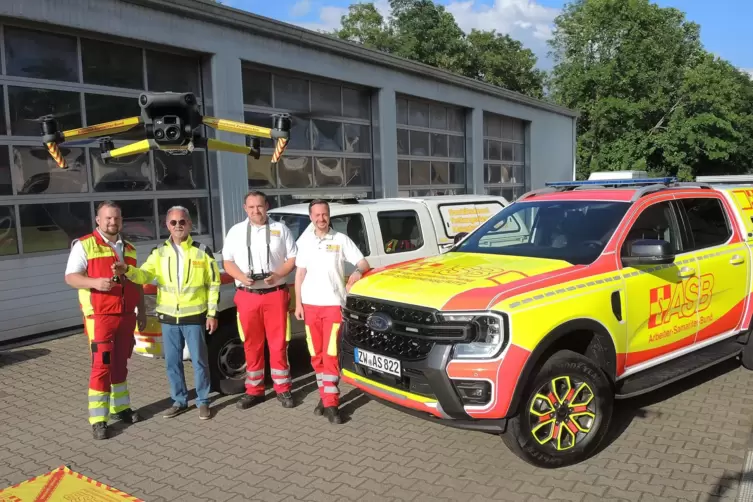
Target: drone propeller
column 52, row 116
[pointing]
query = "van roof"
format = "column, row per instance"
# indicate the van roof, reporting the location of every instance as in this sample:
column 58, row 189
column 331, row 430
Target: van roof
column 337, row 208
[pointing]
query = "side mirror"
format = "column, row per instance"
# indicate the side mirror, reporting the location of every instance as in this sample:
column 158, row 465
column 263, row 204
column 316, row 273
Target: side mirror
column 648, row 252
column 459, row 237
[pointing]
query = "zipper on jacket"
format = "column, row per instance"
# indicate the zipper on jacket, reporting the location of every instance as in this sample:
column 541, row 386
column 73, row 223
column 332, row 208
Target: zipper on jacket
column 188, row 275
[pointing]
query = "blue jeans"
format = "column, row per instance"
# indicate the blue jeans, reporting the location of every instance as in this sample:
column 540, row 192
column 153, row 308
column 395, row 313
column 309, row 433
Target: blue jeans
column 173, row 339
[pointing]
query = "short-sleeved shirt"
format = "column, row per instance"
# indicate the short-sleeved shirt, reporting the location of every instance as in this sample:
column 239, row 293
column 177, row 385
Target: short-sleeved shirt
column 78, row 261
column 281, row 248
column 323, row 258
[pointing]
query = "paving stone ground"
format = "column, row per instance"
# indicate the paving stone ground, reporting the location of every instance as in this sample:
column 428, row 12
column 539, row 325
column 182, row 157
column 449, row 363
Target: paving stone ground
column 685, row 442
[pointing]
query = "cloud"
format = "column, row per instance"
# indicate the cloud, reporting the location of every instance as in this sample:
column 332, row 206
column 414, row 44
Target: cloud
column 300, row 8
column 524, row 20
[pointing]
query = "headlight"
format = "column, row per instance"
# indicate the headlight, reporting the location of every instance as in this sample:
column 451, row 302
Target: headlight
column 490, row 336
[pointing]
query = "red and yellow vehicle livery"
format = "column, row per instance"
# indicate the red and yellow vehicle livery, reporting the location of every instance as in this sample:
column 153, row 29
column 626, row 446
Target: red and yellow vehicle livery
column 570, row 297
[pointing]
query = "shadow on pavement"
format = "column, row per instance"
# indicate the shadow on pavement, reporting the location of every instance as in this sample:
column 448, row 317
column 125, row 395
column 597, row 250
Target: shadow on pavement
column 21, row 356
column 625, row 411
column 726, row 484
column 304, row 384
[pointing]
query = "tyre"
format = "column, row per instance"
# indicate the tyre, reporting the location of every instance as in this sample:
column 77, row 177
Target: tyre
column 564, row 413
column 227, row 361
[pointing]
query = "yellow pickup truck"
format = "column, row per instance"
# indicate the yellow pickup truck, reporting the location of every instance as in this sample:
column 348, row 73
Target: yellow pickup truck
column 572, row 296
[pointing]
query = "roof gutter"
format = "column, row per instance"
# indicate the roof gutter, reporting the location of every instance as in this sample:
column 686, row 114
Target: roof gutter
column 210, row 11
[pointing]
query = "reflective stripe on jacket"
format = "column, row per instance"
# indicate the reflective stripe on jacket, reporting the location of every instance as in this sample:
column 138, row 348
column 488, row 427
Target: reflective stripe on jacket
column 100, row 256
column 199, row 292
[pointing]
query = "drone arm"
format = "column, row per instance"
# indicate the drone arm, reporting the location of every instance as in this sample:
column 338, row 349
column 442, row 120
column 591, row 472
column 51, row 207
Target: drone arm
column 103, row 129
column 136, row 148
column 237, row 127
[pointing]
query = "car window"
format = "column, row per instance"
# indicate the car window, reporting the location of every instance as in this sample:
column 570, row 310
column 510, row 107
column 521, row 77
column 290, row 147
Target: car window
column 708, row 223
column 351, row 225
column 572, row 231
column 467, row 216
column 401, row 231
column 656, row 222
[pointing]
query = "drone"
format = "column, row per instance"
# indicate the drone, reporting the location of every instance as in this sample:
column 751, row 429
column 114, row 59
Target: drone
column 171, row 122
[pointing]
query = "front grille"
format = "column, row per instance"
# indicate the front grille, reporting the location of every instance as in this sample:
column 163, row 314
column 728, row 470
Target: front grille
column 400, row 313
column 388, row 344
column 408, row 321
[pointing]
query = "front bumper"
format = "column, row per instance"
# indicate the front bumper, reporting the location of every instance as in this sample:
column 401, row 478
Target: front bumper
column 424, row 390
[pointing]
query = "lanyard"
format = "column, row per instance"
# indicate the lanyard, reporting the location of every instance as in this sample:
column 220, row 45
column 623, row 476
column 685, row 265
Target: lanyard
column 248, row 246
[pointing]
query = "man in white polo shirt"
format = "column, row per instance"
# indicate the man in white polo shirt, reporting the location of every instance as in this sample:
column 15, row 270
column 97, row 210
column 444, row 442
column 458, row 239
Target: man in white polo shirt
column 259, row 254
column 320, row 294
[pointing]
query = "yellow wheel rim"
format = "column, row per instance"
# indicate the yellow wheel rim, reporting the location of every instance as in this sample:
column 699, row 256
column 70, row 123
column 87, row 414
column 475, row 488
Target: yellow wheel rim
column 562, row 413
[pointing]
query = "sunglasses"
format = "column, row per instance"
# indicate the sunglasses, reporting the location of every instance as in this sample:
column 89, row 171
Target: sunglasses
column 182, row 223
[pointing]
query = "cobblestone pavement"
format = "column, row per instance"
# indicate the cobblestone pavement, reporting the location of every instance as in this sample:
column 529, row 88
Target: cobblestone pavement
column 685, row 442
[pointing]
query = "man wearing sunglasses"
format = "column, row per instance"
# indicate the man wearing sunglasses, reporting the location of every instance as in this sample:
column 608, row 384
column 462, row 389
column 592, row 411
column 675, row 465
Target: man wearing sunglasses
column 188, row 292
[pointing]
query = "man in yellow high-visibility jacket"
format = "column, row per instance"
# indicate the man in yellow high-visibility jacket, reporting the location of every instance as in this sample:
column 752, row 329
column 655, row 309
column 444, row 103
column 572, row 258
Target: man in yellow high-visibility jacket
column 188, row 292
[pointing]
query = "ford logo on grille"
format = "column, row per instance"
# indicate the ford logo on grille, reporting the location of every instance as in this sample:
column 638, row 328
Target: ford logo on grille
column 379, row 321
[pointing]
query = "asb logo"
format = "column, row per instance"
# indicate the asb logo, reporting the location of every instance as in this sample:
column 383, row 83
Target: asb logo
column 670, row 300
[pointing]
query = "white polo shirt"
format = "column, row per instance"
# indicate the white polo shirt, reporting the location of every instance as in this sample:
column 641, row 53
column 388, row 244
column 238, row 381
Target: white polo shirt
column 281, row 248
column 78, row 261
column 323, row 259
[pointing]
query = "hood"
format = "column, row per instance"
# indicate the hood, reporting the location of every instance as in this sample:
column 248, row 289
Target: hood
column 454, row 281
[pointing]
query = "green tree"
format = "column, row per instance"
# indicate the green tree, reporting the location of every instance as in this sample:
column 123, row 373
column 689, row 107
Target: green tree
column 423, row 31
column 650, row 96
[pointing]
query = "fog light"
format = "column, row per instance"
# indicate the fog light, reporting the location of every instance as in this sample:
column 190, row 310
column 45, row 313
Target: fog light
column 474, row 392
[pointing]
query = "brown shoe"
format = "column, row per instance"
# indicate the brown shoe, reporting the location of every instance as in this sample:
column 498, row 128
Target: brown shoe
column 204, row 412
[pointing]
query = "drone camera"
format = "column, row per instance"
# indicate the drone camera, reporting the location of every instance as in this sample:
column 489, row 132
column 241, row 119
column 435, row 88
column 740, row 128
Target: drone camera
column 171, row 116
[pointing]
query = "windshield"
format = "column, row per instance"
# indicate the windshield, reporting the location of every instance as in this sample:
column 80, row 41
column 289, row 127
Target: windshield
column 572, row 231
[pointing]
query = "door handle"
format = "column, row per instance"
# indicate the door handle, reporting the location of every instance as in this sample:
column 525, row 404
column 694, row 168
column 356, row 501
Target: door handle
column 686, row 272
column 737, row 260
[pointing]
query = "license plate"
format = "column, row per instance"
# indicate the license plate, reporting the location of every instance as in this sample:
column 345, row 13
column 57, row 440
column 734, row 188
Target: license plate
column 377, row 362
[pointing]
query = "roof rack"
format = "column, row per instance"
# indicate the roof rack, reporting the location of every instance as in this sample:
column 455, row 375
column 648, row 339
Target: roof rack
column 646, row 186
column 342, row 198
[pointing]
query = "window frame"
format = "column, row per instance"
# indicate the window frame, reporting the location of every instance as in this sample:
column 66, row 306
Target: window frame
column 17, row 201
column 381, row 233
column 676, row 220
column 691, row 244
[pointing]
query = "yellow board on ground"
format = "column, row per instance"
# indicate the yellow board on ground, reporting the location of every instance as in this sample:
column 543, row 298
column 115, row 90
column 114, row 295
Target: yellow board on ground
column 63, row 485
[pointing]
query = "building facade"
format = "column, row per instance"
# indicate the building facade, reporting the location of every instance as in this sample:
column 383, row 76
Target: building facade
column 363, row 122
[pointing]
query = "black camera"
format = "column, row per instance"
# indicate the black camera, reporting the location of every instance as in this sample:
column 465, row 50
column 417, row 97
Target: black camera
column 170, row 117
column 258, row 277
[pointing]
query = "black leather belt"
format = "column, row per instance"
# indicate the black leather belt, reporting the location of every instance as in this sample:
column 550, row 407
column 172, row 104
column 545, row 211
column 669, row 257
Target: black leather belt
column 262, row 291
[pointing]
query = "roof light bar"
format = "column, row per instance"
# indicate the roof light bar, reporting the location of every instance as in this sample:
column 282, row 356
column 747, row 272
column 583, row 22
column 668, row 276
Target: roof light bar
column 620, row 182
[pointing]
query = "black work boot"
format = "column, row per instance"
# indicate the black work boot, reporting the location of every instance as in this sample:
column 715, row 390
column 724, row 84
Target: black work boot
column 319, row 410
column 286, row 398
column 333, row 415
column 248, row 401
column 128, row 416
column 99, row 430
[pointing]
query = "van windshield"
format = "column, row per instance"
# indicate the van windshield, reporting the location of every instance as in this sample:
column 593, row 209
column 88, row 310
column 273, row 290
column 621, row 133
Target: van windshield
column 572, row 231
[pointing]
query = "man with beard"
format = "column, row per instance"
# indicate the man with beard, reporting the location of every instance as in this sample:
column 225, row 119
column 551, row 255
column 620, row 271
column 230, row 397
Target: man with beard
column 320, row 291
column 109, row 304
column 188, row 292
column 259, row 254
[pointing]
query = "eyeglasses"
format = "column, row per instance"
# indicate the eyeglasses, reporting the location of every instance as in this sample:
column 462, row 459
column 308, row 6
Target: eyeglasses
column 181, row 222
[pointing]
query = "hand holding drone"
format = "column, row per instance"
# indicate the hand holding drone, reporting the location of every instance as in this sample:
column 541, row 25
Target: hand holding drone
column 171, row 122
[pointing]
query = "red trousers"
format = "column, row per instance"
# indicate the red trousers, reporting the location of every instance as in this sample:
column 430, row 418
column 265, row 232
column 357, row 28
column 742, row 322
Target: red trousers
column 111, row 343
column 322, row 336
column 263, row 317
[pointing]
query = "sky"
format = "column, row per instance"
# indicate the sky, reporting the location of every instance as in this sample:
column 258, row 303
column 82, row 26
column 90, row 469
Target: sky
column 724, row 23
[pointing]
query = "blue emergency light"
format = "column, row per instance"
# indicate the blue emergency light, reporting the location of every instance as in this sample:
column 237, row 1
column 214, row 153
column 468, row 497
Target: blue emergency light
column 620, row 182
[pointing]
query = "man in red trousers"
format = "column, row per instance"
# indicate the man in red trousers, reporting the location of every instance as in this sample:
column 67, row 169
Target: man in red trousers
column 320, row 295
column 109, row 306
column 259, row 254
